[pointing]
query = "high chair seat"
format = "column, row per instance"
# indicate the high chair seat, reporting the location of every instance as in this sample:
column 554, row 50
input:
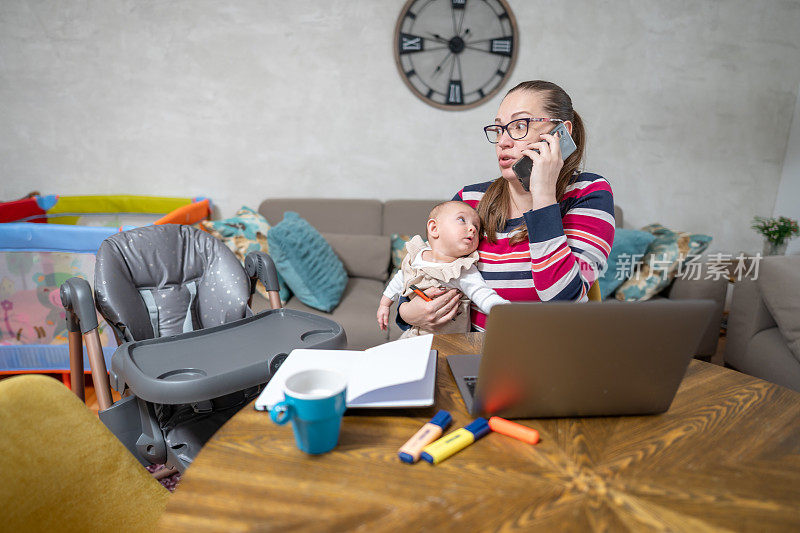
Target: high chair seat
column 158, row 281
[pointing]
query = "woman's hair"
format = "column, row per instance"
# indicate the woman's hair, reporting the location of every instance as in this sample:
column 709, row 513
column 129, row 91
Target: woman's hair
column 495, row 202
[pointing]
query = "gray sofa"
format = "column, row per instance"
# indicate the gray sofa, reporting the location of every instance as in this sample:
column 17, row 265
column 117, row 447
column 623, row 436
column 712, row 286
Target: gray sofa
column 359, row 232
column 763, row 337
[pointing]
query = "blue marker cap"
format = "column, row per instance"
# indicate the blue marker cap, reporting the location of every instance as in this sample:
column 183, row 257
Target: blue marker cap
column 442, row 419
column 479, row 427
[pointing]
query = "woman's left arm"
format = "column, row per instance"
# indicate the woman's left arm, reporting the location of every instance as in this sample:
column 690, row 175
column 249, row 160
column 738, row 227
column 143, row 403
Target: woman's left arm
column 568, row 253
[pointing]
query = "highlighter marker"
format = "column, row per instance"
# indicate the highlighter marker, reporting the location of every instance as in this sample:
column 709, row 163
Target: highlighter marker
column 419, row 292
column 409, row 452
column 512, row 429
column 455, row 442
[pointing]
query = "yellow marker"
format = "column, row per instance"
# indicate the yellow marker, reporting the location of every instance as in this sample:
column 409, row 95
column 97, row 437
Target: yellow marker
column 456, row 441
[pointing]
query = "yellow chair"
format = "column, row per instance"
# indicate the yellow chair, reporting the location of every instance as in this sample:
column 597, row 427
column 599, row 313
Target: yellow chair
column 61, row 469
column 594, row 293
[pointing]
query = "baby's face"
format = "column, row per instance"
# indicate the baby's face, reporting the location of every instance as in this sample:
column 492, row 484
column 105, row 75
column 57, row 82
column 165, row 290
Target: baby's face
column 458, row 230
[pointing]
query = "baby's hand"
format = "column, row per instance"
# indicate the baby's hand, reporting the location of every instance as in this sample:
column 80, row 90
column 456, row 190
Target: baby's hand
column 383, row 316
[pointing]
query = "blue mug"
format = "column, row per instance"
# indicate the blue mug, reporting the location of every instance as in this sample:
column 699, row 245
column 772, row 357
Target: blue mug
column 314, row 400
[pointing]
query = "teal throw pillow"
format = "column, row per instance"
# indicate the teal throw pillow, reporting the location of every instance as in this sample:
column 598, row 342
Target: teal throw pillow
column 661, row 262
column 628, row 249
column 307, row 262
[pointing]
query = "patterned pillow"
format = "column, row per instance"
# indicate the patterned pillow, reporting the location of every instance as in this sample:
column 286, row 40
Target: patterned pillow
column 243, row 233
column 398, row 250
column 307, row 262
column 628, row 248
column 661, row 262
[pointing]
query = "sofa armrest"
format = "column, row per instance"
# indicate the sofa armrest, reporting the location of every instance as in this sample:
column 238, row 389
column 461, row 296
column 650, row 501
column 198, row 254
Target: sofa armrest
column 703, row 289
column 748, row 315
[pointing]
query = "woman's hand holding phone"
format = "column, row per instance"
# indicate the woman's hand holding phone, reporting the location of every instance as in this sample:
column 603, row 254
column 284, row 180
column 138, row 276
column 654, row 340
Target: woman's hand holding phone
column 547, row 163
column 538, row 169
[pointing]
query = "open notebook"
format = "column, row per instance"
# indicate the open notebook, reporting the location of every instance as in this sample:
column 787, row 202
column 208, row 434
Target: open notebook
column 396, row 374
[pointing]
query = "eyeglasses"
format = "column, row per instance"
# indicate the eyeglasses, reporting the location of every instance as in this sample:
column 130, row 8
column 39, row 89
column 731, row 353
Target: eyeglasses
column 517, row 129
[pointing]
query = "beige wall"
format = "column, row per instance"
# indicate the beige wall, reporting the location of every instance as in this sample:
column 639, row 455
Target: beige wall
column 688, row 104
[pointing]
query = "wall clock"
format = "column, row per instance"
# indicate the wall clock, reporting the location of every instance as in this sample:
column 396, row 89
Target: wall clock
column 455, row 54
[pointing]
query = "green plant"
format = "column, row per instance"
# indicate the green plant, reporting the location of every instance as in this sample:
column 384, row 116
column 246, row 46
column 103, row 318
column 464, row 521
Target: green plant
column 776, row 230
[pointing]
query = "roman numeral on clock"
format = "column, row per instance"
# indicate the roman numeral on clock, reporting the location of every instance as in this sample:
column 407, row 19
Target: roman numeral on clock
column 454, row 93
column 459, row 4
column 411, row 43
column 501, row 46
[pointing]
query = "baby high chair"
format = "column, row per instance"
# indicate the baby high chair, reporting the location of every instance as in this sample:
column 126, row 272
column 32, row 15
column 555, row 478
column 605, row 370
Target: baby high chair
column 192, row 353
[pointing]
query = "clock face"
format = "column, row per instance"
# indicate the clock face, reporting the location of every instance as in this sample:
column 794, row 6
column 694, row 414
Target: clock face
column 455, row 54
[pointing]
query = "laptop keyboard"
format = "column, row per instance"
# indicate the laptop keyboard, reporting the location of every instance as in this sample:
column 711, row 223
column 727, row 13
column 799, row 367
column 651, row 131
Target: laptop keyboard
column 471, row 381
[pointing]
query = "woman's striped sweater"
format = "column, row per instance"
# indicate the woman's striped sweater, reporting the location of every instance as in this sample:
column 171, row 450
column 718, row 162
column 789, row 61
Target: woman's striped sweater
column 568, row 246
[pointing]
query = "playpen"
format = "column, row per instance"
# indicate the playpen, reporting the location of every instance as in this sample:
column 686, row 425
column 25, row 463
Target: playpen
column 45, row 240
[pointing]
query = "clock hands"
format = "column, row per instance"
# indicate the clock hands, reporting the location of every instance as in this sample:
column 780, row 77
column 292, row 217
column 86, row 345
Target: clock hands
column 461, row 22
column 438, row 37
column 458, row 43
column 440, row 65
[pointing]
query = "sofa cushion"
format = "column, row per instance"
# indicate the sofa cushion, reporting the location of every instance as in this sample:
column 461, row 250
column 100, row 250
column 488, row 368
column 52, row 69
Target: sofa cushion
column 363, row 256
column 243, row 233
column 779, row 282
column 329, row 215
column 307, row 262
column 356, row 313
column 628, row 248
column 660, row 263
column 407, row 216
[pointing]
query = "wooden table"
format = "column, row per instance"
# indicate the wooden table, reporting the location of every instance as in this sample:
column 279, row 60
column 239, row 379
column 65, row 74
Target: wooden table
column 725, row 456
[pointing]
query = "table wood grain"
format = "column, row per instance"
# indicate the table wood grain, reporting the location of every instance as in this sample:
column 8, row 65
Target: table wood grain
column 726, row 456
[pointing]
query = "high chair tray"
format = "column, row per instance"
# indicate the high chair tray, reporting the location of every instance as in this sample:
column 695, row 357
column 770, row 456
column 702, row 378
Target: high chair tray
column 208, row 363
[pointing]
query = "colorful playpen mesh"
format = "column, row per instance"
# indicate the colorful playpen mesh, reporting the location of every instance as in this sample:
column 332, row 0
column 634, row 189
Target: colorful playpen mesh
column 33, row 332
column 36, row 258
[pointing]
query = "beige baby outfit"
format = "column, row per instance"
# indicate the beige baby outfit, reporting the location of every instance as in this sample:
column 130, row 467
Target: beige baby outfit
column 430, row 275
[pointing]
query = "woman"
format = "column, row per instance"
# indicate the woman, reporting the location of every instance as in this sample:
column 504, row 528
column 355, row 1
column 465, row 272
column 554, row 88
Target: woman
column 546, row 244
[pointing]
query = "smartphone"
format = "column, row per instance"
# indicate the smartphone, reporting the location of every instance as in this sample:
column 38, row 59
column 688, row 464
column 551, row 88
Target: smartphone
column 524, row 166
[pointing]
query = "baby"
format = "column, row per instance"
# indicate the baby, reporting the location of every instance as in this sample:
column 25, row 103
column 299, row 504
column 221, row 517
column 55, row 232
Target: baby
column 448, row 259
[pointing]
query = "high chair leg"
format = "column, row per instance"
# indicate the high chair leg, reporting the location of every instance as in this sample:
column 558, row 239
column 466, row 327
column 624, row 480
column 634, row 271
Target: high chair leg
column 99, row 372
column 165, row 472
column 76, row 364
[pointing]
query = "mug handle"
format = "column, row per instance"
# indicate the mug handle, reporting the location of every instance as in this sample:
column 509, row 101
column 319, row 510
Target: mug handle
column 280, row 413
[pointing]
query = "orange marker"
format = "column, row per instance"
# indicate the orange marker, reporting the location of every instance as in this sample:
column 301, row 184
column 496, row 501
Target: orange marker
column 431, row 431
column 512, row 429
column 419, row 292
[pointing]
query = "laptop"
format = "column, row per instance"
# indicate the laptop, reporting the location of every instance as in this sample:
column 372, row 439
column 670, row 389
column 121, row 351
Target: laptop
column 564, row 359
